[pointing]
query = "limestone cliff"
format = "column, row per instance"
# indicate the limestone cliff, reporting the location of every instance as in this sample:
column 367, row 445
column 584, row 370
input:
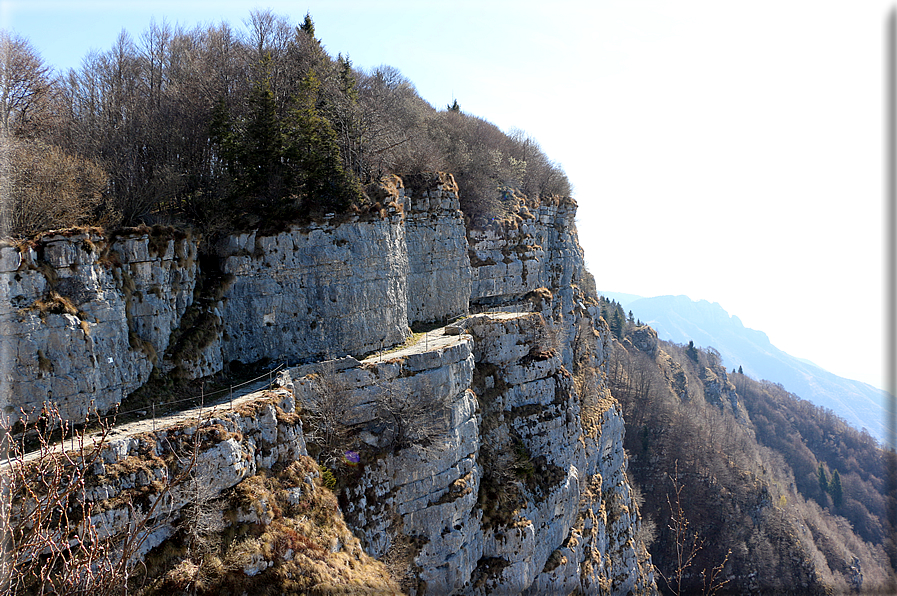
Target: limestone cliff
column 518, row 484
column 84, row 318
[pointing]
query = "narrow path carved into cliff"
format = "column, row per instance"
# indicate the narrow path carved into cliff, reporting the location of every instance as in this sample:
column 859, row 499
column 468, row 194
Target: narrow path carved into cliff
column 434, row 340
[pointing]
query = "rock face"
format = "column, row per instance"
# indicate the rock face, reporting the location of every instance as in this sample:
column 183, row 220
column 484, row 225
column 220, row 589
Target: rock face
column 84, row 318
column 536, row 249
column 522, row 490
column 321, row 291
column 491, row 454
column 439, row 268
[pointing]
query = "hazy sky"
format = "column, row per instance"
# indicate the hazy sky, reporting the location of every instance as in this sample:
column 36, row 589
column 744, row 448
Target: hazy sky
column 727, row 151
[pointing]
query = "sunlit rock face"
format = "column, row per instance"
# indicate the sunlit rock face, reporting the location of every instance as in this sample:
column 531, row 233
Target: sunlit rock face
column 526, row 488
column 537, row 247
column 84, row 318
column 316, row 292
column 522, row 490
column 439, row 267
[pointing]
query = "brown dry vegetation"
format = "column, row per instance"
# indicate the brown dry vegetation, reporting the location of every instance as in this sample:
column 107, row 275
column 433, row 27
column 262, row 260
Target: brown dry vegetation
column 745, row 458
column 299, row 544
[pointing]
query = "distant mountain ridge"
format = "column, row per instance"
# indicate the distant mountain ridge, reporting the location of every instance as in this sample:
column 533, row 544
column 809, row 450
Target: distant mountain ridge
column 681, row 319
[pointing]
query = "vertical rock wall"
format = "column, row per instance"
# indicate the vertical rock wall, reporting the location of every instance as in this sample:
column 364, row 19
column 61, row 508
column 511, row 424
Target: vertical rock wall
column 524, row 492
column 570, row 520
column 315, row 292
column 439, row 267
column 83, row 318
column 86, row 318
column 536, row 247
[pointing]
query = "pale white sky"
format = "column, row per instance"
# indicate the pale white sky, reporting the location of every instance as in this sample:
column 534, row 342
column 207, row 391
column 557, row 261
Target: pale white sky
column 732, row 152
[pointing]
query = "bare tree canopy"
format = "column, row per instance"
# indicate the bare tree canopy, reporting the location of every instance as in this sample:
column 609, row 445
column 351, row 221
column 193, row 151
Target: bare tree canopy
column 25, row 82
column 223, row 128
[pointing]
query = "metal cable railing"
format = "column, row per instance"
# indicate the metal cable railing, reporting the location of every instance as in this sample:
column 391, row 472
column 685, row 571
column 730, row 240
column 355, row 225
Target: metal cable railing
column 86, row 438
column 151, row 407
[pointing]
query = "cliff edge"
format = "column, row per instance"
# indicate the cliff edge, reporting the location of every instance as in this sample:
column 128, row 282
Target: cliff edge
column 511, row 480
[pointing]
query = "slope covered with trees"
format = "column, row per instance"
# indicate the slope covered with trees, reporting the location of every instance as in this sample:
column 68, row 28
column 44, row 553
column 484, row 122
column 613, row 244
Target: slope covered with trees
column 217, row 127
column 770, row 484
column 680, row 319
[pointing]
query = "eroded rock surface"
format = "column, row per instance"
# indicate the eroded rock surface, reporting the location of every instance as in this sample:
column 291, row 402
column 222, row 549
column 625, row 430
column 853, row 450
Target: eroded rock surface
column 511, row 480
column 84, row 318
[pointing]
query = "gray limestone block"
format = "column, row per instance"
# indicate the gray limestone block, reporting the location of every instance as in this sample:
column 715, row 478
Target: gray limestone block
column 133, row 249
column 10, row 259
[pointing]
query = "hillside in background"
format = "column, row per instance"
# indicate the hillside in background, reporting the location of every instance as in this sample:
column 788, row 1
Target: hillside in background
column 785, row 495
column 680, row 319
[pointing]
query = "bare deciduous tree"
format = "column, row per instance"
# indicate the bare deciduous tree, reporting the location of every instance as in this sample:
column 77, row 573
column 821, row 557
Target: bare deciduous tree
column 688, row 544
column 52, row 540
column 411, row 418
column 201, row 518
column 47, row 188
column 327, row 405
column 25, row 83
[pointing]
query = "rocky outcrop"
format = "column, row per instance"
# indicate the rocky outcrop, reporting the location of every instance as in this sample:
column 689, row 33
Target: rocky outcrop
column 321, row 291
column 244, row 471
column 84, row 318
column 490, row 456
column 520, row 490
column 439, row 267
column 571, row 500
column 536, row 247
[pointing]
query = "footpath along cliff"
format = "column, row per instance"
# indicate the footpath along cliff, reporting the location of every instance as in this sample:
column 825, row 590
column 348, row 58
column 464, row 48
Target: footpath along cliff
column 512, row 481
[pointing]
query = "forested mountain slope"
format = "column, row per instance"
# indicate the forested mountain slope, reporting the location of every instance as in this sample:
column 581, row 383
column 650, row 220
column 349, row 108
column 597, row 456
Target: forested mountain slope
column 680, row 319
column 770, row 479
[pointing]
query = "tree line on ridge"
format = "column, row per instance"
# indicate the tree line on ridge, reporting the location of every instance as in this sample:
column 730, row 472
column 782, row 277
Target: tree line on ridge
column 217, row 127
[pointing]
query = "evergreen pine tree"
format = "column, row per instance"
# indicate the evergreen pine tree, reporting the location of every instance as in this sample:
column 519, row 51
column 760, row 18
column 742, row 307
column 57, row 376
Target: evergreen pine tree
column 740, row 371
column 617, row 323
column 692, row 351
column 308, row 26
column 262, row 146
column 823, row 478
column 321, row 181
column 348, row 85
column 835, row 489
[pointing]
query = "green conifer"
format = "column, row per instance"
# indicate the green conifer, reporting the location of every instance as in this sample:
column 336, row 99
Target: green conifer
column 321, row 181
column 823, row 478
column 308, row 26
column 692, row 351
column 835, row 489
column 263, row 142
